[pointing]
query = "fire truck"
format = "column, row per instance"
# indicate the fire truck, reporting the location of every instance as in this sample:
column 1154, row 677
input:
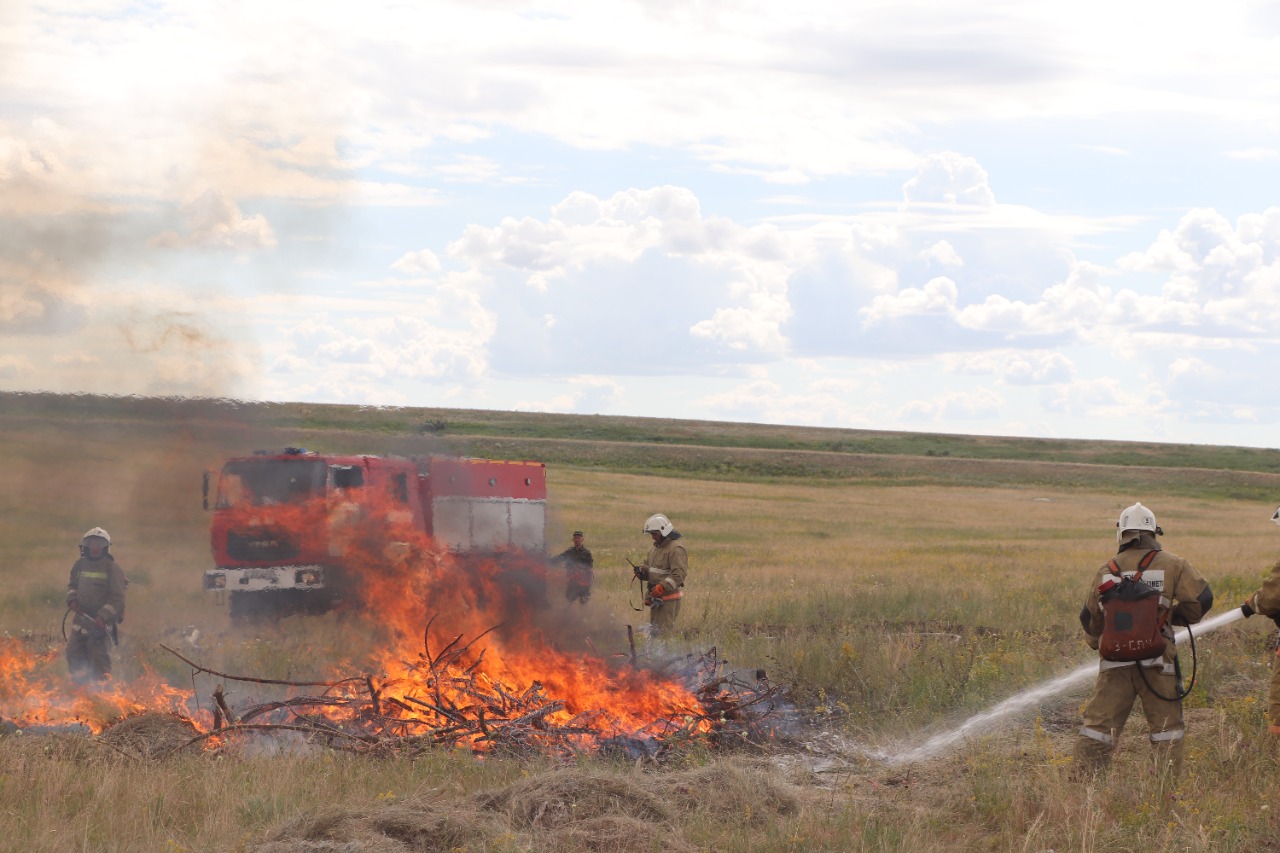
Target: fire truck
column 278, row 518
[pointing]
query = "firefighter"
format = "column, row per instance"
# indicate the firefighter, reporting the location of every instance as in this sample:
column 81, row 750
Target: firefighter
column 1184, row 598
column 579, row 570
column 1267, row 602
column 663, row 572
column 95, row 594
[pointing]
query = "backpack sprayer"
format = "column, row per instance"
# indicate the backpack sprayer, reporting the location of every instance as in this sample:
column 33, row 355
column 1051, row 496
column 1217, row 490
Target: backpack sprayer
column 1133, row 625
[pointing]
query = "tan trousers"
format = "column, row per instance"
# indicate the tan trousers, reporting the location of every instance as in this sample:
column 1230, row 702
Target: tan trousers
column 1108, row 709
column 663, row 619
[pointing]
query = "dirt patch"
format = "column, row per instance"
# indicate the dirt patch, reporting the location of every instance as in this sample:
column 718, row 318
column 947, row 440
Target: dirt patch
column 151, row 734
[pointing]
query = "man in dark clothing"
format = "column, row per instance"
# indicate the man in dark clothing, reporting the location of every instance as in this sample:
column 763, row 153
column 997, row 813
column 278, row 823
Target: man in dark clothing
column 579, row 570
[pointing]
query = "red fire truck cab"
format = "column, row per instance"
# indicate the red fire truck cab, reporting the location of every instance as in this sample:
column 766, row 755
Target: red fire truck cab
column 273, row 536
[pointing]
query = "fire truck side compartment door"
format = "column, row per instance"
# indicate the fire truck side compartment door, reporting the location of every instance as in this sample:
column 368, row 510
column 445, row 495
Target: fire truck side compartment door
column 528, row 524
column 464, row 524
column 451, row 521
column 490, row 524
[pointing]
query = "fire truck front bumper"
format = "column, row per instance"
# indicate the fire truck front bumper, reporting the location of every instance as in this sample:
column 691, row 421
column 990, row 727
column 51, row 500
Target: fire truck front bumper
column 264, row 578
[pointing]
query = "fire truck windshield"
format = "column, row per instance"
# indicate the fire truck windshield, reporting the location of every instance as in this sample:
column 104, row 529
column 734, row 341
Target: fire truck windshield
column 264, row 482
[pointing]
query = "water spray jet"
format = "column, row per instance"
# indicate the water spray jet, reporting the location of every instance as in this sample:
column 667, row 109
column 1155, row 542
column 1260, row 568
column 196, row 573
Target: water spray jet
column 1019, row 702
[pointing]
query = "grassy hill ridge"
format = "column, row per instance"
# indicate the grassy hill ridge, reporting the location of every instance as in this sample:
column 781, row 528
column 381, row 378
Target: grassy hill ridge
column 477, row 428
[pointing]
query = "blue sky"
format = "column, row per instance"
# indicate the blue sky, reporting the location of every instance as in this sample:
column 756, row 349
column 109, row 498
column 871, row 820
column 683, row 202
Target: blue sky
column 1023, row 219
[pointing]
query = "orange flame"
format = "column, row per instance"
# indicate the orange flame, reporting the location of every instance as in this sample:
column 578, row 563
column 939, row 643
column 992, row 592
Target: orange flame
column 404, row 581
column 35, row 691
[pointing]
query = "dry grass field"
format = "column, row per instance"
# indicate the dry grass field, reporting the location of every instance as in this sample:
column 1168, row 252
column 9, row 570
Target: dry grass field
column 895, row 594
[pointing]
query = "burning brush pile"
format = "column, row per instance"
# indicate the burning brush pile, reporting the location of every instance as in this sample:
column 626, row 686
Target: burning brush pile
column 465, row 653
column 443, row 700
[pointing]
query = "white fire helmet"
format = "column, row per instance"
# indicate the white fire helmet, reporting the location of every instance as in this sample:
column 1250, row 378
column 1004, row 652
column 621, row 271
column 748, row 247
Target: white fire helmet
column 99, row 532
column 1275, row 516
column 660, row 523
column 1133, row 522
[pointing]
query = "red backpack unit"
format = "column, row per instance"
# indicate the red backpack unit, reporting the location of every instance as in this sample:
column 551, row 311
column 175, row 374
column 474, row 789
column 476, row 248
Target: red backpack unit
column 1132, row 616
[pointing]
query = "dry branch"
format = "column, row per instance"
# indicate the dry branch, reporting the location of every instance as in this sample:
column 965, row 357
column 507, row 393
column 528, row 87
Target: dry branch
column 468, row 708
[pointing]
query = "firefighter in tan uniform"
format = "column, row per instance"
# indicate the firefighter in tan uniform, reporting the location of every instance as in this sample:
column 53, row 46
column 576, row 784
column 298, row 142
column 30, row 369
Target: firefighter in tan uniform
column 95, row 593
column 663, row 572
column 1267, row 602
column 1184, row 598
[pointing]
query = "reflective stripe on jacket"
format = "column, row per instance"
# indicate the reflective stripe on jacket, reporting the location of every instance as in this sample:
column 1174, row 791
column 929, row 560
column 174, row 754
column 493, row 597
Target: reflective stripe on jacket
column 97, row 582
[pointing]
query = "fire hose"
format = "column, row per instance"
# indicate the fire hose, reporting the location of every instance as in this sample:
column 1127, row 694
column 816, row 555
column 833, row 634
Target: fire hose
column 638, row 574
column 111, row 631
column 1178, row 693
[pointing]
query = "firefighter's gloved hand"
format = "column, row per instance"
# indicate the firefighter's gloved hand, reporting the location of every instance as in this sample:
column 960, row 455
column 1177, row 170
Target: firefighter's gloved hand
column 1247, row 609
column 642, row 572
column 655, row 604
column 106, row 612
column 73, row 599
column 97, row 629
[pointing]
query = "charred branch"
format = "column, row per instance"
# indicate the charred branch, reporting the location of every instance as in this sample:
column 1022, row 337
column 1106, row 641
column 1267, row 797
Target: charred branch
column 444, row 700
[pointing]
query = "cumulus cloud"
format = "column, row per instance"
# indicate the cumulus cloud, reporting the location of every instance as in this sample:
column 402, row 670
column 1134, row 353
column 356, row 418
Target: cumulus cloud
column 842, row 95
column 938, row 296
column 943, row 254
column 1014, row 367
column 642, row 278
column 753, row 327
column 420, row 263
column 1047, row 369
column 949, row 179
column 1189, row 366
column 212, row 221
column 1079, row 301
column 443, row 339
column 149, row 151
column 1208, row 260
